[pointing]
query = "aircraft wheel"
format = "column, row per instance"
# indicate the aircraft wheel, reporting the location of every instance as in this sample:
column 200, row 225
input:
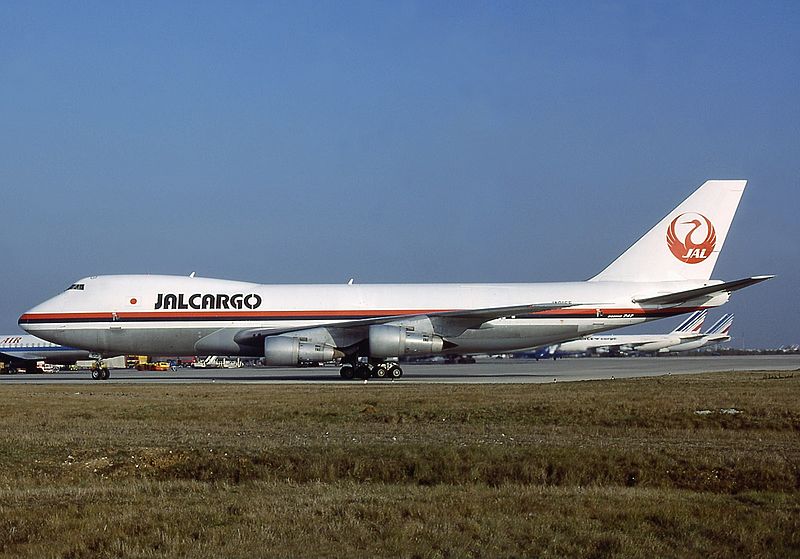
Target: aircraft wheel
column 346, row 372
column 395, row 371
column 97, row 374
column 380, row 372
column 104, row 374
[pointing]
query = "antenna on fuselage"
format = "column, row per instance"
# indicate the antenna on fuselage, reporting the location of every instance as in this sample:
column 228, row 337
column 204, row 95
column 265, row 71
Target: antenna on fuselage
column 350, row 281
column 193, row 274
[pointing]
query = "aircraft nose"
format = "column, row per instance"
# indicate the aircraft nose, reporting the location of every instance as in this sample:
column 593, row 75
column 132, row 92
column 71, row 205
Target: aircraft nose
column 34, row 315
column 26, row 319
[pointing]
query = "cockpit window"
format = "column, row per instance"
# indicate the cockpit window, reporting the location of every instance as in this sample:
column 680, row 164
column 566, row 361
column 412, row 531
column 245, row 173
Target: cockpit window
column 76, row 286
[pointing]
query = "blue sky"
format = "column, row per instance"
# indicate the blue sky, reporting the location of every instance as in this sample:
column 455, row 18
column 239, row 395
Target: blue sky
column 393, row 141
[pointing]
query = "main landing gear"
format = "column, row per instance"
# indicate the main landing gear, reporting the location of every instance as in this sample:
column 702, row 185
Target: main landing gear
column 368, row 370
column 100, row 371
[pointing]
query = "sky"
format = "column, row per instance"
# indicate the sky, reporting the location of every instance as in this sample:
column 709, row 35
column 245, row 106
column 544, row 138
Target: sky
column 311, row 142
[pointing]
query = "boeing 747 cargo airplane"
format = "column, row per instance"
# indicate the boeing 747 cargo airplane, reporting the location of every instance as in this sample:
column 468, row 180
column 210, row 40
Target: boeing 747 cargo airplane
column 665, row 273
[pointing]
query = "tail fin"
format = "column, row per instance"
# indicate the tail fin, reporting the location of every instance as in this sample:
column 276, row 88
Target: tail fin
column 722, row 326
column 685, row 244
column 693, row 323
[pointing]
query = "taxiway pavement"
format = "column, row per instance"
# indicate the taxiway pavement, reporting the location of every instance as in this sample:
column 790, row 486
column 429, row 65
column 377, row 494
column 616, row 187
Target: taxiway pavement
column 484, row 371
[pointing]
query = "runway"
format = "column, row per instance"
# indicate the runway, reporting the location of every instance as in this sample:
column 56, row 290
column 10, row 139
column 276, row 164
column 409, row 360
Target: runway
column 485, row 371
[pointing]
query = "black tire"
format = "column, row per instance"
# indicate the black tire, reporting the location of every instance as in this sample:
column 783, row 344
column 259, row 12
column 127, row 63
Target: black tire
column 104, row 374
column 346, row 372
column 380, row 372
column 97, row 374
column 395, row 371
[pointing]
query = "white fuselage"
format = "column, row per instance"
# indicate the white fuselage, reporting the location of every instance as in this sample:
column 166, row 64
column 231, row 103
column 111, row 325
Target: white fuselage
column 172, row 315
column 643, row 342
column 25, row 347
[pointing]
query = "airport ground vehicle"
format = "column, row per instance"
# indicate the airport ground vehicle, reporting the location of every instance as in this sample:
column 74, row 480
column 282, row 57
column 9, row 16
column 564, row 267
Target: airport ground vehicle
column 157, row 366
column 217, row 362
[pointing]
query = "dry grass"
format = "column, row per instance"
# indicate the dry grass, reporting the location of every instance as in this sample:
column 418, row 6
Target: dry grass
column 591, row 469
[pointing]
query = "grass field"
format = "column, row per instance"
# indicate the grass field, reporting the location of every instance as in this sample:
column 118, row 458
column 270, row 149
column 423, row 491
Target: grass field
column 585, row 469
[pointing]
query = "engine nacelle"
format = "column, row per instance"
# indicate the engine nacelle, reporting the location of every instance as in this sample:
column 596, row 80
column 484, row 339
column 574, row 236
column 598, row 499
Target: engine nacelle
column 393, row 341
column 284, row 350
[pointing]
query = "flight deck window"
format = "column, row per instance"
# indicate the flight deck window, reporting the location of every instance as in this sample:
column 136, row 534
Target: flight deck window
column 76, row 286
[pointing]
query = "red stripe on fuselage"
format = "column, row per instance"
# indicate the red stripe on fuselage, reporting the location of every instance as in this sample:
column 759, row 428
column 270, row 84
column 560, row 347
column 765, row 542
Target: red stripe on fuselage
column 326, row 314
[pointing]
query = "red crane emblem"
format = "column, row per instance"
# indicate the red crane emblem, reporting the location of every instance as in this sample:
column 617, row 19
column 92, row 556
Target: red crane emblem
column 688, row 250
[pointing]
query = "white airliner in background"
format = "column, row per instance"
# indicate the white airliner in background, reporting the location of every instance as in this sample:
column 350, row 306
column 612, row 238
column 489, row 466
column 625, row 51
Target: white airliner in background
column 665, row 273
column 687, row 331
column 25, row 351
column 717, row 334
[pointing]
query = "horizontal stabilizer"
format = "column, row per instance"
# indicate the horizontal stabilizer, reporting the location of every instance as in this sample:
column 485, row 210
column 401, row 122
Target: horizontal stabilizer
column 690, row 294
column 691, row 337
column 718, row 338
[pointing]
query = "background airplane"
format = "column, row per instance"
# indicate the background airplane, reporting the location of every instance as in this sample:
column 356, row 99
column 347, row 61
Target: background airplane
column 717, row 334
column 24, row 351
column 686, row 331
column 691, row 339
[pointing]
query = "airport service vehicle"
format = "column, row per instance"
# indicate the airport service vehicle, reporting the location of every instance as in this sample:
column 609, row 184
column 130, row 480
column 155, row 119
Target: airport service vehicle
column 24, row 351
column 157, row 366
column 717, row 334
column 665, row 273
column 217, row 362
column 687, row 331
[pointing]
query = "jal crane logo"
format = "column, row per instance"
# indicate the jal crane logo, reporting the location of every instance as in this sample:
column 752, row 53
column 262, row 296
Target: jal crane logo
column 689, row 250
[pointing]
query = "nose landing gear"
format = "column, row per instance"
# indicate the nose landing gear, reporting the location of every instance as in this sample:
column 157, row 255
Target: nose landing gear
column 100, row 371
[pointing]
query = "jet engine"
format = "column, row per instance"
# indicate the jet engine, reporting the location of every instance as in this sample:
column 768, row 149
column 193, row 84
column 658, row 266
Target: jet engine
column 393, row 341
column 288, row 351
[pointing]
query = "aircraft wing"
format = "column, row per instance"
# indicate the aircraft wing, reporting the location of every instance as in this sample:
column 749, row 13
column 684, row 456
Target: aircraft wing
column 26, row 355
column 690, row 294
column 447, row 323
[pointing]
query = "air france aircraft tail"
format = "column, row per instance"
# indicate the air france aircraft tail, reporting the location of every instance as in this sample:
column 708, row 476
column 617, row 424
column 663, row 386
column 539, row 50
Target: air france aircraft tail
column 693, row 323
column 722, row 326
column 686, row 243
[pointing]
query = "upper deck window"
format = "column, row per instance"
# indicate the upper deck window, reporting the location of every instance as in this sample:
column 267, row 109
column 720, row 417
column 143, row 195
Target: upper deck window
column 76, row 286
